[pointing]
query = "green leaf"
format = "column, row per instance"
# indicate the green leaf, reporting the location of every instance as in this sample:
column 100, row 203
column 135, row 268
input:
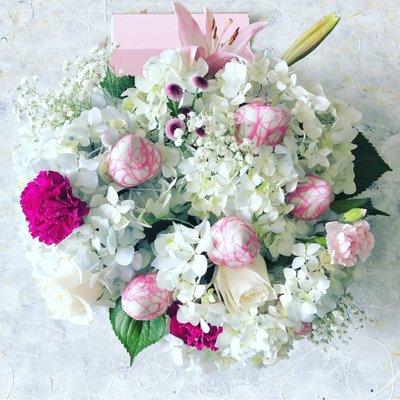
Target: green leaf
column 116, row 85
column 368, row 165
column 135, row 335
column 277, row 266
column 343, row 205
column 321, row 240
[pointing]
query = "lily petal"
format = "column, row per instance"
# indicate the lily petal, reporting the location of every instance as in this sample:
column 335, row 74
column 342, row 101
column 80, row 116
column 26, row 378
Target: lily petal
column 218, row 60
column 189, row 55
column 243, row 38
column 188, row 29
column 247, row 54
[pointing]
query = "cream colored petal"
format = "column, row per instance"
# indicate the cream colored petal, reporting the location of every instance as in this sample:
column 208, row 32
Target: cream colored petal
column 243, row 288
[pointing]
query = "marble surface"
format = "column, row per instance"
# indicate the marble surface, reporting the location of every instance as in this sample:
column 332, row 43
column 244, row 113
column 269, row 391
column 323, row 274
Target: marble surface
column 45, row 359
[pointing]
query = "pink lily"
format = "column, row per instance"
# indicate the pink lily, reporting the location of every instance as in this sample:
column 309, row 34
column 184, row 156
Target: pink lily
column 209, row 44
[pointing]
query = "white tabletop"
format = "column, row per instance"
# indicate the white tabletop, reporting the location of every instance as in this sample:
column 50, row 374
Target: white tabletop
column 45, row 359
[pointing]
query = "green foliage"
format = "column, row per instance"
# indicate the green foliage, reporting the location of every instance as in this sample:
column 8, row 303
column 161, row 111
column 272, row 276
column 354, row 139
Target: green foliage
column 368, row 168
column 135, row 335
column 343, row 205
column 368, row 164
column 116, row 85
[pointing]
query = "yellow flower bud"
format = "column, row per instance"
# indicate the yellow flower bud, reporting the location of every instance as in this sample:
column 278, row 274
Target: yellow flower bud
column 311, row 39
column 353, row 215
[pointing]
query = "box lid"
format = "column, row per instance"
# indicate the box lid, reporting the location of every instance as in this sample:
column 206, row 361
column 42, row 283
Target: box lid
column 141, row 36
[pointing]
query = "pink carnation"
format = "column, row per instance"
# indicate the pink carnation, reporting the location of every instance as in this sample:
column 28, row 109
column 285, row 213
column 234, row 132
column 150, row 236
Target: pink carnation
column 50, row 208
column 193, row 335
column 347, row 243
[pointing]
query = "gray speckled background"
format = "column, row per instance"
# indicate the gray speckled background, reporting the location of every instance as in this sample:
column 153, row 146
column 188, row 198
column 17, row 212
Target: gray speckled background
column 45, row 359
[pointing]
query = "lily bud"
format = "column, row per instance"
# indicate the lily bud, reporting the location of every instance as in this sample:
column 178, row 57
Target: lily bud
column 353, row 215
column 311, row 39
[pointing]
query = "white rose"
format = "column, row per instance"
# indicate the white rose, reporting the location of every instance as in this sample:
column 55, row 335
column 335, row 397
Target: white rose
column 245, row 288
column 69, row 294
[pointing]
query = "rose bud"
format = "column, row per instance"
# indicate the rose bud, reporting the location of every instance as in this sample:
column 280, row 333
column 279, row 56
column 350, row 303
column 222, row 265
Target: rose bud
column 133, row 160
column 143, row 300
column 234, row 243
column 311, row 198
column 263, row 124
column 346, row 243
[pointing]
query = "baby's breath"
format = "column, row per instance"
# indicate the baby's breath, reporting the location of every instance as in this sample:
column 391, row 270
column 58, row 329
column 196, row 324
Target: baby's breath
column 334, row 327
column 51, row 109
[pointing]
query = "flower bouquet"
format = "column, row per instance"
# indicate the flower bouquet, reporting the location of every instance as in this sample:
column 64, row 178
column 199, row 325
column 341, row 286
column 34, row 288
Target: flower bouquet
column 208, row 203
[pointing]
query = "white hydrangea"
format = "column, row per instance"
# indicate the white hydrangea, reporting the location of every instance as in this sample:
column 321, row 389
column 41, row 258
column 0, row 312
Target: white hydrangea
column 180, row 262
column 226, row 178
column 204, row 176
column 305, row 285
column 148, row 100
column 260, row 339
column 233, row 82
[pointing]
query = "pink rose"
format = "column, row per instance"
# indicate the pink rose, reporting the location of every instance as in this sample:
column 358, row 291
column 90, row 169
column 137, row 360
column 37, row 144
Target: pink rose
column 347, row 243
column 143, row 300
column 51, row 209
column 234, row 243
column 133, row 160
column 264, row 124
column 311, row 198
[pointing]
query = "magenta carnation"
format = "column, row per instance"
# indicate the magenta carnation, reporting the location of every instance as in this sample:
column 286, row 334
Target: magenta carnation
column 192, row 335
column 50, row 208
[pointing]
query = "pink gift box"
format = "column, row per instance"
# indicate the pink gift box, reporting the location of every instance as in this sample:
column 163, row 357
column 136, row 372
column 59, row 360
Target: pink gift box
column 141, row 36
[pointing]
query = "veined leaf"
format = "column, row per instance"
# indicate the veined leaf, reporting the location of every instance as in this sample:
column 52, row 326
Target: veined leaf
column 116, row 85
column 343, row 205
column 135, row 335
column 368, row 164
